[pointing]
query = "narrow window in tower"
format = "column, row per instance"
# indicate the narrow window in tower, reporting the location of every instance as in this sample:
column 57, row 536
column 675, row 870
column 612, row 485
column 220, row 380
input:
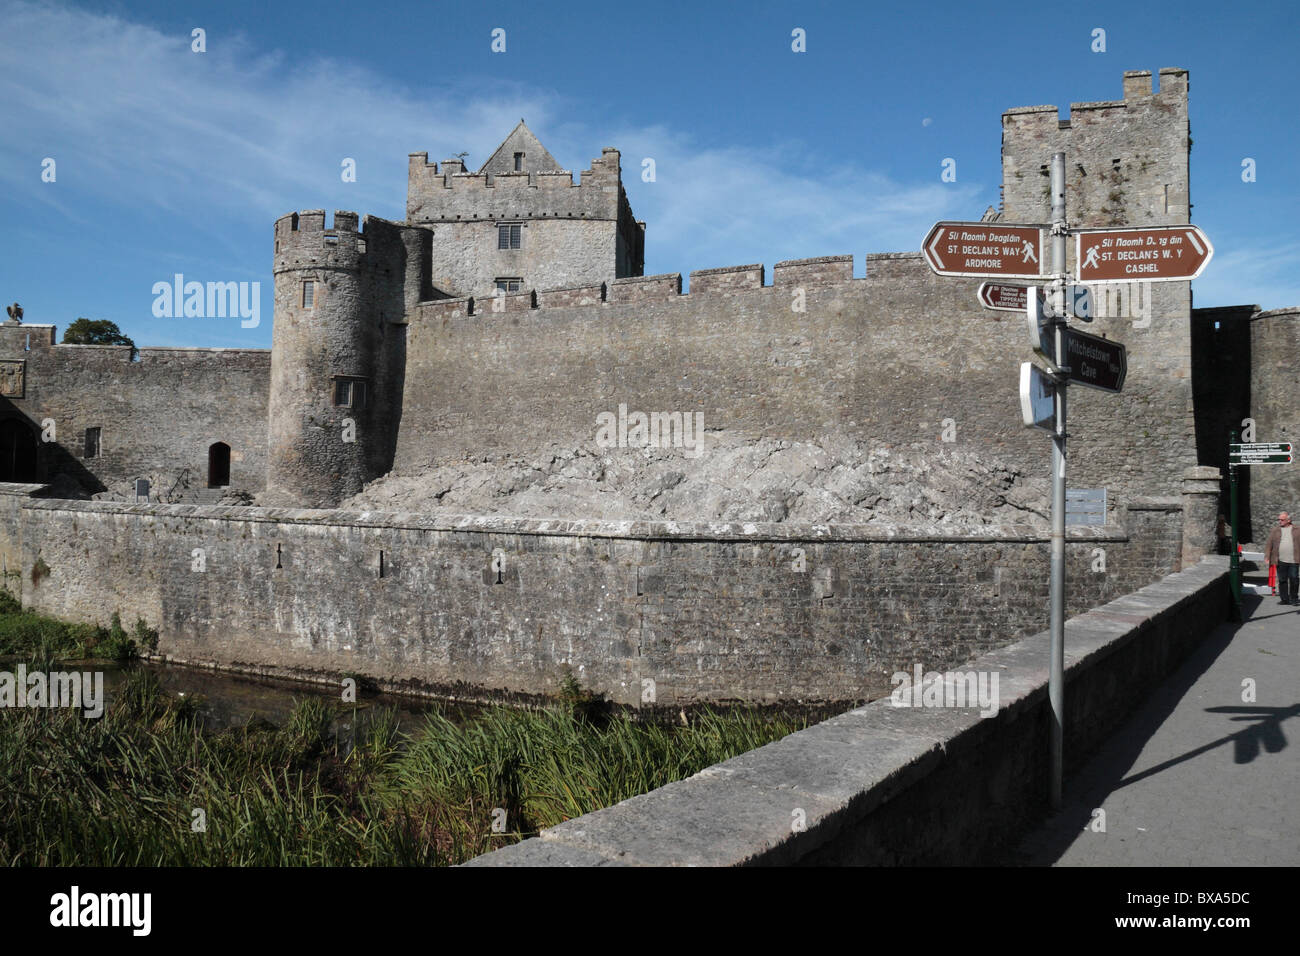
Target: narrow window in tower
column 509, row 284
column 519, row 162
column 308, row 294
column 349, row 392
column 509, row 235
column 92, row 443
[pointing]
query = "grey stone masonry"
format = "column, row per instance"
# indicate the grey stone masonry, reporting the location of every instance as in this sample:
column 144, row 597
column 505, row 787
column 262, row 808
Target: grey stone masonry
column 500, row 608
column 904, row 785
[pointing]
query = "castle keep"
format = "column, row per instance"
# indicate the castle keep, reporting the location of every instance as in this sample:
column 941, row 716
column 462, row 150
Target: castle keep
column 504, row 315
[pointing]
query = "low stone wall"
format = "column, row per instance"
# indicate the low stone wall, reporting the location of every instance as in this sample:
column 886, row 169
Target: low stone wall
column 888, row 785
column 12, row 497
column 648, row 613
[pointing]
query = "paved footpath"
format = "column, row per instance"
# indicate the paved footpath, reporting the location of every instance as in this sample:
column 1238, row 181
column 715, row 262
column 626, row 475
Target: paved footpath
column 1197, row 777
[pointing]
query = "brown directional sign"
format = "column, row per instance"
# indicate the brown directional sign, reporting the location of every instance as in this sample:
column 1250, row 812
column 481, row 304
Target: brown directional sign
column 985, row 249
column 1095, row 362
column 1004, row 297
column 1141, row 255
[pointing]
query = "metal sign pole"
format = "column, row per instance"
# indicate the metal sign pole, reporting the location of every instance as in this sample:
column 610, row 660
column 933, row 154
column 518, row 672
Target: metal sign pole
column 1056, row 681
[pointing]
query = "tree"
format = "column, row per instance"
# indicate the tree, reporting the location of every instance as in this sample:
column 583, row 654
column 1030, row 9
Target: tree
column 96, row 332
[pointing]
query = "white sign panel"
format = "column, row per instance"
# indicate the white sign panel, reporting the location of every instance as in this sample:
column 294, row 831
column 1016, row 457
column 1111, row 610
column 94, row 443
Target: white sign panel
column 1037, row 393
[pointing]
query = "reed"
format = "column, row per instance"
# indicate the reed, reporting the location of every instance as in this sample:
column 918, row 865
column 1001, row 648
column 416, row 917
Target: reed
column 124, row 790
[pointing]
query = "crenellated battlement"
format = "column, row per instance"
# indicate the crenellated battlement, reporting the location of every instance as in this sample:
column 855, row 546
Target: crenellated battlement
column 1138, row 92
column 1126, row 160
column 303, row 241
column 446, row 192
column 720, row 283
column 312, row 221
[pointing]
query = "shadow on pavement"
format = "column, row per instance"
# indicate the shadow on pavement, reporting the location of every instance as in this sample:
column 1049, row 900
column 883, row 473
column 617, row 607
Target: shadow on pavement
column 1047, row 837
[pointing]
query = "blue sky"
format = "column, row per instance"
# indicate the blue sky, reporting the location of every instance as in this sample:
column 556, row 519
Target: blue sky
column 173, row 161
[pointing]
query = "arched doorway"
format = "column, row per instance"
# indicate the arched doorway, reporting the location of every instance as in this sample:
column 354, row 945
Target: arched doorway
column 17, row 451
column 218, row 465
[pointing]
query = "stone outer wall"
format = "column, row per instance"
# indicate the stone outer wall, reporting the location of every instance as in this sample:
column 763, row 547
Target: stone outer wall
column 12, row 497
column 888, row 786
column 1275, row 406
column 1221, row 382
column 158, row 416
column 885, row 359
column 704, row 612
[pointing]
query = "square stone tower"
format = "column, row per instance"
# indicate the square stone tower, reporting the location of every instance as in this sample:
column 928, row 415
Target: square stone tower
column 1126, row 164
column 522, row 223
column 1126, row 161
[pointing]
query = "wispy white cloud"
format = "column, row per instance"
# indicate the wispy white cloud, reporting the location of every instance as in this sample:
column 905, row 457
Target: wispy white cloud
column 132, row 115
column 1251, row 273
column 229, row 139
column 714, row 205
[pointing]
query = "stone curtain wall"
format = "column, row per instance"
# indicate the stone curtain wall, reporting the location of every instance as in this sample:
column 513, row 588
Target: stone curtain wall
column 12, row 497
column 705, row 612
column 1221, row 347
column 157, row 416
column 1275, row 406
column 889, row 786
column 885, row 359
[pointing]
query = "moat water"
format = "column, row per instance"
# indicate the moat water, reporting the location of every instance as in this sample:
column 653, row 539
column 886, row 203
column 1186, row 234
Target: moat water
column 229, row 700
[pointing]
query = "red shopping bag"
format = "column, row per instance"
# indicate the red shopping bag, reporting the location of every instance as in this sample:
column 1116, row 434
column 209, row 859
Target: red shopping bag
column 1272, row 577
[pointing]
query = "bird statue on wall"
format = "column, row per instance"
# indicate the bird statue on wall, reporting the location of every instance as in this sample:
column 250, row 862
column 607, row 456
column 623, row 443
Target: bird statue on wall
column 15, row 312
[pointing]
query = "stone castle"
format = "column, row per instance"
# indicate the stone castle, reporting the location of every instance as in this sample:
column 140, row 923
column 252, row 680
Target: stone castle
column 511, row 305
column 504, row 317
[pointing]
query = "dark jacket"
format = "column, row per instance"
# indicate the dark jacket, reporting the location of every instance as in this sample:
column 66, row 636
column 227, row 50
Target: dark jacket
column 1274, row 539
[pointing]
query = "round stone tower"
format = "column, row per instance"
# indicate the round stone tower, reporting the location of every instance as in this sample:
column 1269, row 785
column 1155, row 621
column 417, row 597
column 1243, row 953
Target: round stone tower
column 327, row 349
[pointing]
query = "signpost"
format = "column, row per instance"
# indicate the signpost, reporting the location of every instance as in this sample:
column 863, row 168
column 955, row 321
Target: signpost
column 1037, row 397
column 1042, row 337
column 1095, row 362
column 1260, row 453
column 1154, row 254
column 1001, row 251
column 989, row 249
column 1003, row 296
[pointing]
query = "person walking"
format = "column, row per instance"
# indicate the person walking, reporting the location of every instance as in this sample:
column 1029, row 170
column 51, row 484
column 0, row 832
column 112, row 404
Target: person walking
column 1283, row 549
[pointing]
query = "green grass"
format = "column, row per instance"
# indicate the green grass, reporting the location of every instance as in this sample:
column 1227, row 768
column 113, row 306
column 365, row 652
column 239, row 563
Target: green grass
column 122, row 790
column 27, row 634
